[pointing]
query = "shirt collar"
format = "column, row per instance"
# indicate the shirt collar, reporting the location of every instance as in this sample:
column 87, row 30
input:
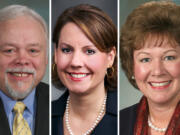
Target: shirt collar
column 29, row 101
column 9, row 103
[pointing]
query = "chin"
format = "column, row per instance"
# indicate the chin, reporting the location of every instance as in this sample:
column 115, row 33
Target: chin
column 78, row 91
column 160, row 99
column 20, row 90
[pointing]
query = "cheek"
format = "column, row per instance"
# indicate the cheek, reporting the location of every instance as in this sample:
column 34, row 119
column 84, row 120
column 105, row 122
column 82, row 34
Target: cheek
column 97, row 63
column 40, row 62
column 174, row 70
column 140, row 71
column 5, row 63
column 62, row 61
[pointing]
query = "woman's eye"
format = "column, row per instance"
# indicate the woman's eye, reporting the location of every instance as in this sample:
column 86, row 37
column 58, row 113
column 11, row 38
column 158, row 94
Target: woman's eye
column 66, row 50
column 90, row 52
column 169, row 58
column 144, row 60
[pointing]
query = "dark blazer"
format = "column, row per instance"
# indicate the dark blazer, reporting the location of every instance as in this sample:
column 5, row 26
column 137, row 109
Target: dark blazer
column 42, row 113
column 127, row 120
column 107, row 126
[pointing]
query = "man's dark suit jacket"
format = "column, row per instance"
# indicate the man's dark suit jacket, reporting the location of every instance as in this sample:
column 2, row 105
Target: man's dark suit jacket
column 42, row 113
column 127, row 120
column 107, row 126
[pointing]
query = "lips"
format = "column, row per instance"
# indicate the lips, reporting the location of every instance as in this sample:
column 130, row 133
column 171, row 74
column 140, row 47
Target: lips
column 78, row 76
column 20, row 74
column 160, row 85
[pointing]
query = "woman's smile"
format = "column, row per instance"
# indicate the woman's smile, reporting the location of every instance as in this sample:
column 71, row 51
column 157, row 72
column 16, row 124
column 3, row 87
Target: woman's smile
column 77, row 76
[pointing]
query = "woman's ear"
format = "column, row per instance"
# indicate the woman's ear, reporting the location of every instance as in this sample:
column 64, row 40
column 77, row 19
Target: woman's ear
column 111, row 57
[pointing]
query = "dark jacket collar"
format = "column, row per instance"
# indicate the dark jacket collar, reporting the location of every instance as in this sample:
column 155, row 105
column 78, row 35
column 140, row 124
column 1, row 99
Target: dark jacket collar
column 111, row 105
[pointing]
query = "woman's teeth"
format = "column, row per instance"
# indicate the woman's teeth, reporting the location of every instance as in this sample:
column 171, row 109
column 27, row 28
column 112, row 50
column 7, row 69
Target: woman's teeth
column 78, row 75
column 160, row 84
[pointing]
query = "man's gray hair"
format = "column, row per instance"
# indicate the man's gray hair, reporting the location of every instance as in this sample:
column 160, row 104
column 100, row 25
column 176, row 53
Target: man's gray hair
column 13, row 11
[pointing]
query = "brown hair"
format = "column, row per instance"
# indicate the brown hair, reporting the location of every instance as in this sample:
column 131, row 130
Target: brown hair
column 99, row 29
column 160, row 19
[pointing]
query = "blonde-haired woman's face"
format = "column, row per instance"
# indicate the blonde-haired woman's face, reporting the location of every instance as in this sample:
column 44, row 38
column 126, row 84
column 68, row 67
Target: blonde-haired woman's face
column 80, row 65
column 157, row 71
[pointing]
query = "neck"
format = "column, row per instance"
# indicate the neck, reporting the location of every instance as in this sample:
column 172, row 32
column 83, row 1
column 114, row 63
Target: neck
column 83, row 105
column 160, row 114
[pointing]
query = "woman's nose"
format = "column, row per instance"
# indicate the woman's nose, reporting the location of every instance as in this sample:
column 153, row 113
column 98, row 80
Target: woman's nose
column 77, row 59
column 158, row 68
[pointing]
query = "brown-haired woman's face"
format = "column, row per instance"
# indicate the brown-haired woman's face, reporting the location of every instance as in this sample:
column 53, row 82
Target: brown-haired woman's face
column 157, row 71
column 80, row 65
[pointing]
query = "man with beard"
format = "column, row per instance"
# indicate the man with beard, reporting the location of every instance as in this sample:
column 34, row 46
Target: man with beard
column 24, row 101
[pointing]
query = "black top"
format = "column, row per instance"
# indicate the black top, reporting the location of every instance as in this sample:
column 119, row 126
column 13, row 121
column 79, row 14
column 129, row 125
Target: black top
column 42, row 113
column 107, row 126
column 127, row 120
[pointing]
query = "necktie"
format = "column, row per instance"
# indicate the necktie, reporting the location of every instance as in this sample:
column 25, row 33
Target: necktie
column 20, row 125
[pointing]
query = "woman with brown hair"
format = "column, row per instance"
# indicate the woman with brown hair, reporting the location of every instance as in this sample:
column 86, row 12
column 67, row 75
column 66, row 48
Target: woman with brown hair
column 85, row 40
column 150, row 57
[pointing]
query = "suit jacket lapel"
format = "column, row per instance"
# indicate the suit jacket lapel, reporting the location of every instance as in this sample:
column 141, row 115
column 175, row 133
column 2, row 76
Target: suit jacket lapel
column 42, row 110
column 4, row 125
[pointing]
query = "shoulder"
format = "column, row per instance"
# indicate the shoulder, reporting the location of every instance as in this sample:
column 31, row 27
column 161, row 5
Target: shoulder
column 111, row 105
column 128, row 119
column 58, row 109
column 43, row 86
column 59, row 105
column 129, row 110
column 42, row 91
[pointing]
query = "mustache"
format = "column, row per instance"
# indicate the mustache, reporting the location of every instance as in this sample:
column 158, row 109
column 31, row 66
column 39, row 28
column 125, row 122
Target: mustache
column 26, row 70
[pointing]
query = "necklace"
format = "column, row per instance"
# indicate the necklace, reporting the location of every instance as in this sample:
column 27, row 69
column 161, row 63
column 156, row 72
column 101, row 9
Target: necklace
column 98, row 118
column 156, row 128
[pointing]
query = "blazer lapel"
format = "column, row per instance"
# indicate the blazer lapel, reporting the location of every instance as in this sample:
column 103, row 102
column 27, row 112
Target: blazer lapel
column 42, row 110
column 4, row 125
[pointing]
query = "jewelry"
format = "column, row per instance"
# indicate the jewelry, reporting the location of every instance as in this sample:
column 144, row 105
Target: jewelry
column 156, row 128
column 101, row 112
column 110, row 72
column 133, row 77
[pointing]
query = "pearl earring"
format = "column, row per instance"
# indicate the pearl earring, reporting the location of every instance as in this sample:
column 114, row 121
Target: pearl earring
column 133, row 77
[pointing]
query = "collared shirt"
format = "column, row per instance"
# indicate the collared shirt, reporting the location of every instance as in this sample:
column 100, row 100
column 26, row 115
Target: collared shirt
column 29, row 112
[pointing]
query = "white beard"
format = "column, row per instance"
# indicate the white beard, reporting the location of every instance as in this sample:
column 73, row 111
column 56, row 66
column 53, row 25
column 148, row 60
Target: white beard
column 19, row 94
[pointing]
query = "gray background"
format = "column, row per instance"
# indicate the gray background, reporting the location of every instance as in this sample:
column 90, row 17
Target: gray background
column 128, row 94
column 58, row 6
column 41, row 7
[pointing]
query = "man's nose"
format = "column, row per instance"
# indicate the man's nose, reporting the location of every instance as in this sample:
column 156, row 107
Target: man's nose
column 22, row 58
